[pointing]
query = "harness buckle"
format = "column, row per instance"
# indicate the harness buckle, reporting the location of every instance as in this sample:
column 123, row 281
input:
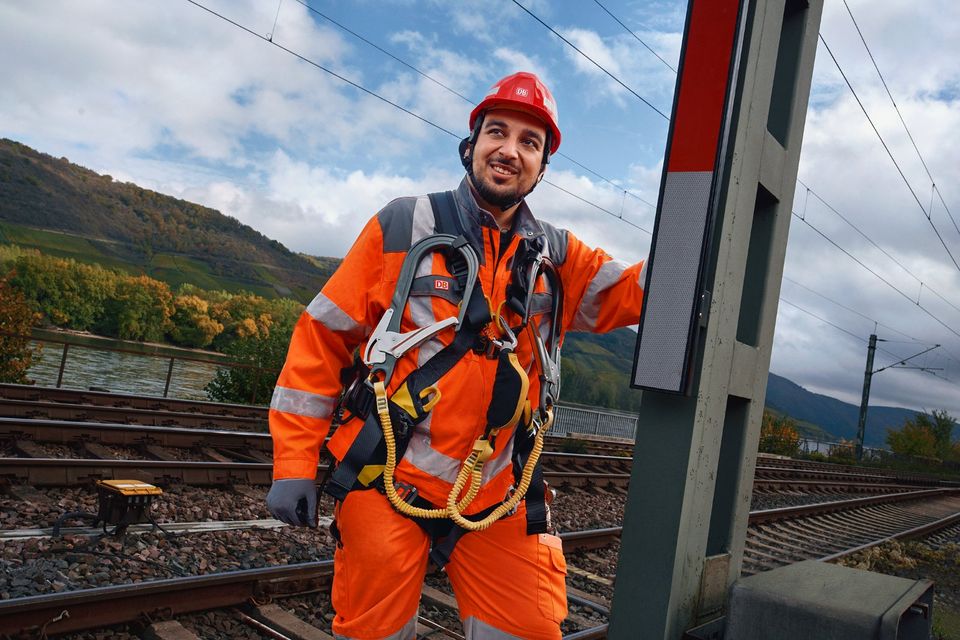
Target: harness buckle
column 407, row 492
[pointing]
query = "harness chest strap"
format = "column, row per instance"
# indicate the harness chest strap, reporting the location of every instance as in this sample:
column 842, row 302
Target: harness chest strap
column 376, row 439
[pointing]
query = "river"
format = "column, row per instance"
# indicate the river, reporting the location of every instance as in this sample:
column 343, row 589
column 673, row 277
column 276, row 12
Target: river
column 120, row 372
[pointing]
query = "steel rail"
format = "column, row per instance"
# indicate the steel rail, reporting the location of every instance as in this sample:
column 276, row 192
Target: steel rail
column 117, row 604
column 70, row 431
column 76, row 471
column 16, row 408
column 102, row 398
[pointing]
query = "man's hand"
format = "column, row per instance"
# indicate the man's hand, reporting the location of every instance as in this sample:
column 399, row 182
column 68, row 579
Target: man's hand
column 294, row 501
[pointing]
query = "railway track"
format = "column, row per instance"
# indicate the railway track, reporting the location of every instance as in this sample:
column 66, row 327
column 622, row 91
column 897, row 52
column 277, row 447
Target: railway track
column 210, row 457
column 26, row 401
column 62, row 439
column 775, row 537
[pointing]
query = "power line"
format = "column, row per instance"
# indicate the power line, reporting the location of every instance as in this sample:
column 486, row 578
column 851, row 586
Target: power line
column 595, row 63
column 837, row 327
column 453, row 91
column 850, row 309
column 595, row 205
column 630, row 31
column 900, row 115
column 393, row 104
column 384, row 51
column 853, row 334
column 889, row 153
column 868, row 239
column 877, row 275
column 323, row 68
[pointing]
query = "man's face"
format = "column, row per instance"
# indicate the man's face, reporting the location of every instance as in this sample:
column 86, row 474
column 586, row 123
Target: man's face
column 507, row 156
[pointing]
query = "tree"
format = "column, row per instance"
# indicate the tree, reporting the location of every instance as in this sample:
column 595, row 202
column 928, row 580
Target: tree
column 191, row 324
column 69, row 293
column 139, row 309
column 927, row 435
column 941, row 424
column 779, row 435
column 16, row 319
column 264, row 352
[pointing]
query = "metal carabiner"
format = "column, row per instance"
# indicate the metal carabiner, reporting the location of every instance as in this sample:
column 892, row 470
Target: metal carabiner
column 547, row 351
column 386, row 344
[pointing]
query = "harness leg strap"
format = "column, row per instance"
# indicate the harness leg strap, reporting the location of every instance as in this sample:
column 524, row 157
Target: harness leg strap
column 361, row 452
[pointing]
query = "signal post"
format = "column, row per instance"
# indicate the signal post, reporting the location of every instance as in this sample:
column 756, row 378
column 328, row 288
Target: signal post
column 712, row 289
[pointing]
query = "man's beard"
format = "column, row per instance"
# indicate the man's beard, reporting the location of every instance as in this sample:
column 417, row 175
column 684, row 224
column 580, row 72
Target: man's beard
column 498, row 198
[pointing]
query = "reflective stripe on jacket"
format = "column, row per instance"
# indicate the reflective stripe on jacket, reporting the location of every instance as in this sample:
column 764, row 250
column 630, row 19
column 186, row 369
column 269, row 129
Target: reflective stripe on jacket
column 600, row 294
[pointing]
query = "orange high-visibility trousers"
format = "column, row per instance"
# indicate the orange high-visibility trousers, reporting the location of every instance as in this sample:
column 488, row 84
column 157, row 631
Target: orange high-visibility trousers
column 507, row 584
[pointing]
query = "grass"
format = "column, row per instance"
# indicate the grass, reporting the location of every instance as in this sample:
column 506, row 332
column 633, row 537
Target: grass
column 172, row 269
column 946, row 624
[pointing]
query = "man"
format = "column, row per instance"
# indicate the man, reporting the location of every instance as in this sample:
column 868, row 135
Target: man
column 508, row 583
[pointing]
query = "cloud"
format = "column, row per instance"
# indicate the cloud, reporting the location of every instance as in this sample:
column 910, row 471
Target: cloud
column 177, row 100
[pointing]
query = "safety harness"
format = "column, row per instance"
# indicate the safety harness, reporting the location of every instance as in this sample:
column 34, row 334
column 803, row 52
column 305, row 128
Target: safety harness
column 371, row 460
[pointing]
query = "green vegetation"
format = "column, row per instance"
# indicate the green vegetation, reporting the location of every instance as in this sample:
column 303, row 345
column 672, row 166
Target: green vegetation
column 596, row 370
column 16, row 318
column 263, row 353
column 778, row 435
column 82, row 297
column 65, row 210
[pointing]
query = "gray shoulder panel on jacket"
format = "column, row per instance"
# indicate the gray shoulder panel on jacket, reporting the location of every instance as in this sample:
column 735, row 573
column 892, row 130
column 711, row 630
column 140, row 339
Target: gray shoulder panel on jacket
column 396, row 223
column 556, row 242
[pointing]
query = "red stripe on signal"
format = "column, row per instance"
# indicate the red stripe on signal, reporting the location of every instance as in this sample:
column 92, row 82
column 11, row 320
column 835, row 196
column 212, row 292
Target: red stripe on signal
column 703, row 85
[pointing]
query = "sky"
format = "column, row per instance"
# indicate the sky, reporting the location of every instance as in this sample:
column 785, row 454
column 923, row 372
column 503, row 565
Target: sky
column 270, row 113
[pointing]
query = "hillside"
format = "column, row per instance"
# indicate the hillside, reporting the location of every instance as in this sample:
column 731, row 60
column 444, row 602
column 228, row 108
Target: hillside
column 67, row 210
column 838, row 417
column 609, row 359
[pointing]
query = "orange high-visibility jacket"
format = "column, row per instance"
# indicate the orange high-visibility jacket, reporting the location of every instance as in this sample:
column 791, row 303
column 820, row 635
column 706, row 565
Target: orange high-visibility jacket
column 600, row 294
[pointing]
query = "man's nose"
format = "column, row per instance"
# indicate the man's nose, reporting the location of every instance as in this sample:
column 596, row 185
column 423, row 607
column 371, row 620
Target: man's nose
column 509, row 147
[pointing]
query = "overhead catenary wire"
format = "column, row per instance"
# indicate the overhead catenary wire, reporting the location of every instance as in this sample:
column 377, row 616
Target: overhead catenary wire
column 393, row 104
column 870, row 240
column 631, row 32
column 886, row 148
column 443, row 129
column 594, row 62
column 900, row 115
column 453, row 91
column 850, row 309
column 877, row 275
column 852, row 334
column 353, row 84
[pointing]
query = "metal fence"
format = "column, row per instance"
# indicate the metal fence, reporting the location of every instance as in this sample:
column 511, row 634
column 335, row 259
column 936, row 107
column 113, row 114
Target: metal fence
column 597, row 422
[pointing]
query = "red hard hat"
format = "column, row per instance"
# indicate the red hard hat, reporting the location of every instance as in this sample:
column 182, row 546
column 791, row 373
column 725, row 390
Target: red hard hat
column 523, row 92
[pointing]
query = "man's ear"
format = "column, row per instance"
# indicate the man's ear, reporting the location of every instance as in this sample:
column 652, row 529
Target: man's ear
column 466, row 151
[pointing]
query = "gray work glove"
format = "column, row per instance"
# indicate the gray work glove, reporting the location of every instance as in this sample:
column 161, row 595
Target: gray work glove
column 294, row 501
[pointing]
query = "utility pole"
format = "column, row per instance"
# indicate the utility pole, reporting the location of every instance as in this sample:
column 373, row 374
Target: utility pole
column 865, row 399
column 867, row 378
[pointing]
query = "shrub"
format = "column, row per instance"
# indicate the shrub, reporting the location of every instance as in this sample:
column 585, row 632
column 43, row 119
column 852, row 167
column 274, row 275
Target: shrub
column 16, row 319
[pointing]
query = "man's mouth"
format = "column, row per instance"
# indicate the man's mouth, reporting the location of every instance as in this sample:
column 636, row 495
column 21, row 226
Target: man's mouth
column 502, row 169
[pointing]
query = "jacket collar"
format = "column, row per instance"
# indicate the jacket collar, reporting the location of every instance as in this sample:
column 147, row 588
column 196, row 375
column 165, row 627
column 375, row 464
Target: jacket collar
column 525, row 226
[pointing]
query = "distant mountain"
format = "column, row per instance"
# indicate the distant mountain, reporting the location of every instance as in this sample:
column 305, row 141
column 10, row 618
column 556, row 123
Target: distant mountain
column 838, row 417
column 67, row 210
column 608, row 361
